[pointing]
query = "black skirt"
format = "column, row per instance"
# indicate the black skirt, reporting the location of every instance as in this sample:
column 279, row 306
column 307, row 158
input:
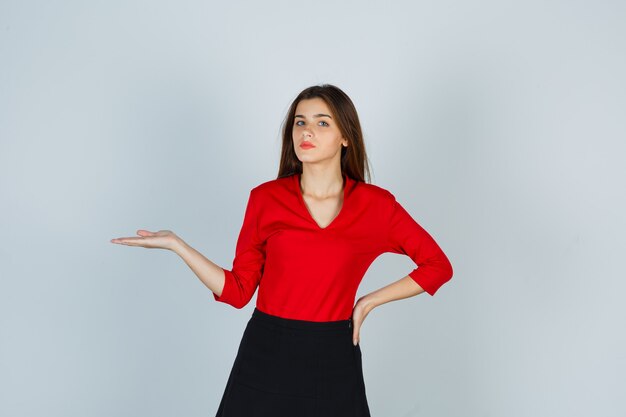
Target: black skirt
column 295, row 368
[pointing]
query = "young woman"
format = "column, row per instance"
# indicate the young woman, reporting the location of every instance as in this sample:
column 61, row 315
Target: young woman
column 306, row 241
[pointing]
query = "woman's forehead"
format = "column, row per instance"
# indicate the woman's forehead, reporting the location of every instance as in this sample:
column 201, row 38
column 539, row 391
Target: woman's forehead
column 312, row 105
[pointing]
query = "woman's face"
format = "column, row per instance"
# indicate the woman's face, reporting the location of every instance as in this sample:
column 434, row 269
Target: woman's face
column 316, row 136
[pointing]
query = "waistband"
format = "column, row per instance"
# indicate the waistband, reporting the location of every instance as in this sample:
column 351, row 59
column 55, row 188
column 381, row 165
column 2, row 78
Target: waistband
column 300, row 324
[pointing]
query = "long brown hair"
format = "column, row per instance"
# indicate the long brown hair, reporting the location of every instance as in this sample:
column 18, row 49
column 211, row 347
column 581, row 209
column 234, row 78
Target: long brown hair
column 354, row 161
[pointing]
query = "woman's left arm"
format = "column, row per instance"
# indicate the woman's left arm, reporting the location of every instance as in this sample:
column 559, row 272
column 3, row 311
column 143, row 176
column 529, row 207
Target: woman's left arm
column 406, row 236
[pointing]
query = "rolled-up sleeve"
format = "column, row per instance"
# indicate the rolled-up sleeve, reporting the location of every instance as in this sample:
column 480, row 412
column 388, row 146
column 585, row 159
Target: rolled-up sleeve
column 241, row 281
column 406, row 236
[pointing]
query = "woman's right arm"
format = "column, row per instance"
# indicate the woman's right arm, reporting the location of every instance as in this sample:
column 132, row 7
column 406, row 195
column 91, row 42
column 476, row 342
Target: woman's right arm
column 211, row 274
column 234, row 286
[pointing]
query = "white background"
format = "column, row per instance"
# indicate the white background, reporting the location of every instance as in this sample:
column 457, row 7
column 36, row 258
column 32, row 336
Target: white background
column 498, row 125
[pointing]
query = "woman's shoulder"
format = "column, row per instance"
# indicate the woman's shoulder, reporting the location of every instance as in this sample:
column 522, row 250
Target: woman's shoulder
column 374, row 191
column 276, row 186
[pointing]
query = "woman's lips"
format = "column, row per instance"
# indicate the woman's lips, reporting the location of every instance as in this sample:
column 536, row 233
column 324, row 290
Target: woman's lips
column 307, row 145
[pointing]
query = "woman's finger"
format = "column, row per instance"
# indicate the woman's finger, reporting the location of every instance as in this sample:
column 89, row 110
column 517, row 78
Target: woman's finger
column 356, row 323
column 143, row 232
column 127, row 240
column 164, row 239
column 359, row 313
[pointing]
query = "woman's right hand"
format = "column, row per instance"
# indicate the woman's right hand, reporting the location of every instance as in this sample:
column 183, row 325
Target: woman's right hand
column 164, row 239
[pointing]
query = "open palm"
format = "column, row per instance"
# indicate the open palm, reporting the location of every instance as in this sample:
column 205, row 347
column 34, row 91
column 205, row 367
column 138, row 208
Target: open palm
column 164, row 239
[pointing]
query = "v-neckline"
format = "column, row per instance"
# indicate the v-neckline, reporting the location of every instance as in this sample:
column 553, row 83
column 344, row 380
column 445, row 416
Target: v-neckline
column 306, row 208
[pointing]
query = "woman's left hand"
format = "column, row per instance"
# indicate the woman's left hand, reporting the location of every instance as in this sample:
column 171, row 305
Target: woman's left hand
column 361, row 309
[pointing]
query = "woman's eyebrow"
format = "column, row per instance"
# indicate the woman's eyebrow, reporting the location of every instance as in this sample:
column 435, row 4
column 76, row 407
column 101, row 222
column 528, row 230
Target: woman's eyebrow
column 315, row 115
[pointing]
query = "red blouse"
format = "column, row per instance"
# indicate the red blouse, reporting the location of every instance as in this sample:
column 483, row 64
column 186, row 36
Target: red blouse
column 307, row 272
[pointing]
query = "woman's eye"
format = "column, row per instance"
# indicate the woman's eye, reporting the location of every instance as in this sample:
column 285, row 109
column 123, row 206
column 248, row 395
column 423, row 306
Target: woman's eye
column 300, row 121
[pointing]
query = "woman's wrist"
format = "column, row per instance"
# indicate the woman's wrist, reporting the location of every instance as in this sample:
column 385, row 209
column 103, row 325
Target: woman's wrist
column 179, row 246
column 370, row 301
